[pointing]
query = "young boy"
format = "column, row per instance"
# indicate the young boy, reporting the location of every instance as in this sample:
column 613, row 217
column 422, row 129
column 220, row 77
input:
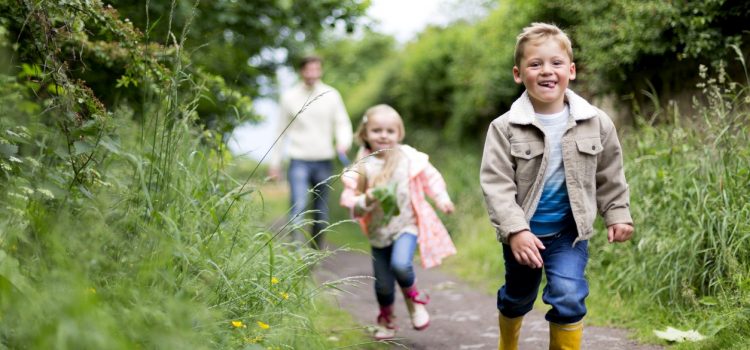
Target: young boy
column 548, row 164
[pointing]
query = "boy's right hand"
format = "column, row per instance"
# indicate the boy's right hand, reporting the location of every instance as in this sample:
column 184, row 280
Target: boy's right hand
column 525, row 247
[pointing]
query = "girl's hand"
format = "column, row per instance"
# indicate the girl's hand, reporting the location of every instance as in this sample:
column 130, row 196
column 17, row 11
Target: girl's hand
column 446, row 207
column 525, row 247
column 619, row 232
column 369, row 198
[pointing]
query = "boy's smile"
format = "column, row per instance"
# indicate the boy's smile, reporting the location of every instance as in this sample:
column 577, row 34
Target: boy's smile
column 545, row 71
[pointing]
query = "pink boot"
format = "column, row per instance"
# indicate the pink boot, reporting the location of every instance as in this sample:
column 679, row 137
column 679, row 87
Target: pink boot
column 386, row 328
column 415, row 302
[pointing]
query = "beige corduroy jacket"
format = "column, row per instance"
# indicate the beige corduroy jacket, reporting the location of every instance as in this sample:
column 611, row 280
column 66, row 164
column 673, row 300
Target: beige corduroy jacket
column 515, row 160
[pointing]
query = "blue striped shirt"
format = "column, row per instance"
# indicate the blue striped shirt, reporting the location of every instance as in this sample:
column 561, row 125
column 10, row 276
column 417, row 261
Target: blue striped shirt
column 553, row 212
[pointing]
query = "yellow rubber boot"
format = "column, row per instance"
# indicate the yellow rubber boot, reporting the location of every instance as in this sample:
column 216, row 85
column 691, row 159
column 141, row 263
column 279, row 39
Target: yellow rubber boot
column 510, row 329
column 565, row 336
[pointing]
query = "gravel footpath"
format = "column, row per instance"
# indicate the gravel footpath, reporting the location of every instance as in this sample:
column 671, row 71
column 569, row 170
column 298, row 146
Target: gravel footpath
column 461, row 317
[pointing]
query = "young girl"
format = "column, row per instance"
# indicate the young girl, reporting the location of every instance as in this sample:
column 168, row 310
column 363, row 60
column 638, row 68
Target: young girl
column 397, row 174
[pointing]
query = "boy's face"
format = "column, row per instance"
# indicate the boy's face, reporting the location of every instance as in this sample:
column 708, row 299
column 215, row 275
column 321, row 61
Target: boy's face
column 545, row 71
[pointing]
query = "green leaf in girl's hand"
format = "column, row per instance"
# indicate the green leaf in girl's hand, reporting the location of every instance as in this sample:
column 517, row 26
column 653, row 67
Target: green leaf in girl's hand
column 386, row 196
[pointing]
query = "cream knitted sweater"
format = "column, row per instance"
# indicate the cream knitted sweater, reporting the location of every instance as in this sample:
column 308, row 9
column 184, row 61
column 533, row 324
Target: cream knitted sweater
column 321, row 119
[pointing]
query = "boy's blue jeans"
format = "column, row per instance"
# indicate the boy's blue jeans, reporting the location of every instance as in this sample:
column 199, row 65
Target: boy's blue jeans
column 302, row 176
column 566, row 288
column 393, row 263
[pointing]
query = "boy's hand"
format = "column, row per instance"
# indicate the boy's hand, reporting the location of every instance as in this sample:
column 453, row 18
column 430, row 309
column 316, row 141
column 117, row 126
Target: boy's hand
column 446, row 207
column 619, row 232
column 525, row 247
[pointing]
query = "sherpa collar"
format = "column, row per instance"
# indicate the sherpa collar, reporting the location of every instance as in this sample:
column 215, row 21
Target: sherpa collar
column 522, row 111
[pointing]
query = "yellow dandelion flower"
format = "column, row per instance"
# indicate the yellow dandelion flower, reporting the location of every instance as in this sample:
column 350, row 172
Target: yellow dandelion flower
column 263, row 325
column 238, row 324
column 274, row 280
column 284, row 295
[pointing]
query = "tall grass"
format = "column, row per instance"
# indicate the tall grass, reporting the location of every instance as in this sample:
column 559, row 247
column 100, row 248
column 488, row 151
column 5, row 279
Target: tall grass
column 146, row 263
column 151, row 244
column 689, row 180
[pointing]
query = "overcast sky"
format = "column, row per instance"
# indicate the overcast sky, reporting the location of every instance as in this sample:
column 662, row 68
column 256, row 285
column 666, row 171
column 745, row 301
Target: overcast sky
column 404, row 18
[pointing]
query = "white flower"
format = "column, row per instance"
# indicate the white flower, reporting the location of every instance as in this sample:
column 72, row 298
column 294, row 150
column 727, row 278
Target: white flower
column 27, row 191
column 46, row 193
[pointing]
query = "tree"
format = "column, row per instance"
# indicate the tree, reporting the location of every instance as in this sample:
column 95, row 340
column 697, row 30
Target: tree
column 623, row 45
column 235, row 39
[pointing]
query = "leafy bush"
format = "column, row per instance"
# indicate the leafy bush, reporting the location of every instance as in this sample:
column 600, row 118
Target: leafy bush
column 688, row 189
column 120, row 228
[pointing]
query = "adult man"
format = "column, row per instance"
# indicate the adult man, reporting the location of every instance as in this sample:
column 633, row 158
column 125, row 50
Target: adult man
column 316, row 117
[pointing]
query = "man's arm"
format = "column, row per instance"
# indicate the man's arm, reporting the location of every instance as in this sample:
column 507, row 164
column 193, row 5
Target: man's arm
column 342, row 126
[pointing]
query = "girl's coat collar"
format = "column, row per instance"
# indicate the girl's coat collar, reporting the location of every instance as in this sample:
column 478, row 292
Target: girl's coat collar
column 522, row 111
column 417, row 160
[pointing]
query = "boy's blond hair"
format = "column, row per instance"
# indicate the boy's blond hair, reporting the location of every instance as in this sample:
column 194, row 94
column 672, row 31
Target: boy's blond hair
column 537, row 31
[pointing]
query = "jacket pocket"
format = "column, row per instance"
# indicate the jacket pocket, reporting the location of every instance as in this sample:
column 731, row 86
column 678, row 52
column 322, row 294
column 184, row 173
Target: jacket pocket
column 588, row 152
column 528, row 158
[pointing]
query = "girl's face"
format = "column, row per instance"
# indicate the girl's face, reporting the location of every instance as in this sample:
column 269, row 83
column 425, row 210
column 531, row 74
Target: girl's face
column 382, row 132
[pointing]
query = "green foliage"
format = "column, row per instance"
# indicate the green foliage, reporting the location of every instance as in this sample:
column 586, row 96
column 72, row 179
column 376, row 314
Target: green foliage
column 453, row 78
column 350, row 59
column 141, row 262
column 458, row 78
column 422, row 76
column 235, row 39
column 689, row 182
column 623, row 31
column 121, row 64
column 386, row 196
column 482, row 70
column 119, row 226
column 356, row 68
column 621, row 44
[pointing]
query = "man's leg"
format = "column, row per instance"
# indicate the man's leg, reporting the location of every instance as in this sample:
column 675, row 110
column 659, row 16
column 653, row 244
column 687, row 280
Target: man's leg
column 298, row 177
column 320, row 174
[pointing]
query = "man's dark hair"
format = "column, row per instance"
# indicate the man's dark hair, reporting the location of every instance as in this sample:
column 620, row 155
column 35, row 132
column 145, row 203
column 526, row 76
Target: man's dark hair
column 309, row 59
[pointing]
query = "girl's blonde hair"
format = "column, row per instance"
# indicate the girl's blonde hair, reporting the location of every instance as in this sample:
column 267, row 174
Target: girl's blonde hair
column 536, row 31
column 391, row 156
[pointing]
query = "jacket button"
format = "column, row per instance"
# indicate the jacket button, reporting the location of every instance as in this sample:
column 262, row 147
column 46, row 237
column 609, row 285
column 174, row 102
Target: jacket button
column 593, row 148
column 528, row 152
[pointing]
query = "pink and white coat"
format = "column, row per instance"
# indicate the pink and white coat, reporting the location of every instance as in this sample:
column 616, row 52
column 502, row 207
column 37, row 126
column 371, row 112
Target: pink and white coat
column 432, row 236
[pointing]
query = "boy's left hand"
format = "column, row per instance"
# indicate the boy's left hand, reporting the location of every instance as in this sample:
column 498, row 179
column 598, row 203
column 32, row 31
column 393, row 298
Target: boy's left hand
column 619, row 232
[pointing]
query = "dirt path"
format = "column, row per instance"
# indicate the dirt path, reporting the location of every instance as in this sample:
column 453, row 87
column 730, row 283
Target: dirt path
column 462, row 318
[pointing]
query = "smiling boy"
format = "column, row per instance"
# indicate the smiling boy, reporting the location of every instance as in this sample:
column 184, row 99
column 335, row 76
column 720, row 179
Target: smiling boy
column 548, row 165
